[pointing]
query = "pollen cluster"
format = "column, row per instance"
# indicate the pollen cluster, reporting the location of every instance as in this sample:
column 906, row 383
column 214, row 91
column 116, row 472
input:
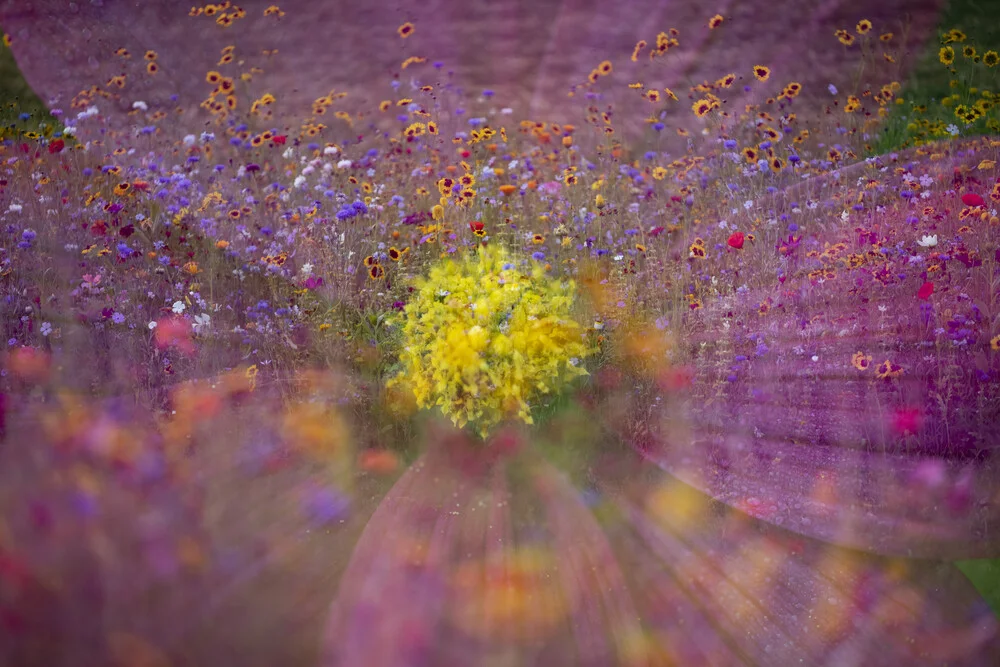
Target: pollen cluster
column 484, row 338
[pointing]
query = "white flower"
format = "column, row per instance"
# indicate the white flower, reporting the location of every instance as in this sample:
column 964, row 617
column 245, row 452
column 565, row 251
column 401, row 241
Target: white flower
column 15, row 208
column 344, row 164
column 845, row 216
column 299, row 181
column 69, row 131
column 307, row 269
column 139, row 104
column 952, row 130
column 46, row 328
column 207, row 136
column 748, row 204
column 331, row 150
column 927, row 241
column 151, row 325
column 178, row 307
column 506, row 111
column 201, row 322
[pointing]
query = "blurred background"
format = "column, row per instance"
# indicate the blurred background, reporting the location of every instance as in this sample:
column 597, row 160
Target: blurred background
column 529, row 56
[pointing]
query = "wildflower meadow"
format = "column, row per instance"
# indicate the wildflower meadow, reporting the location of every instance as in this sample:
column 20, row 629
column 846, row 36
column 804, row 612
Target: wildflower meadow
column 451, row 334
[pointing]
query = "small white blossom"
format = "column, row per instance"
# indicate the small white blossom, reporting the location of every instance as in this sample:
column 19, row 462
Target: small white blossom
column 928, row 241
column 178, row 307
column 46, row 328
column 151, row 325
column 201, row 322
column 344, row 164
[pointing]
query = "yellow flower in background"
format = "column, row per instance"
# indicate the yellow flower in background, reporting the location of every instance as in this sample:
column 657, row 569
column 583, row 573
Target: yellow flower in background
column 484, row 337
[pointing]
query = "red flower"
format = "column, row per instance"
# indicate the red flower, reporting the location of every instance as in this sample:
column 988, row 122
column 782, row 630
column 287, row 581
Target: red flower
column 56, row 145
column 972, row 199
column 476, row 226
column 907, row 420
column 736, row 240
column 174, row 332
column 280, row 139
column 925, row 291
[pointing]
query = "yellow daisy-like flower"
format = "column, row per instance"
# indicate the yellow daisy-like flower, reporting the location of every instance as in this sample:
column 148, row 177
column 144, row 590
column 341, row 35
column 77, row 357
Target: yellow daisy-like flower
column 484, row 338
column 946, row 55
column 861, row 361
column 701, row 107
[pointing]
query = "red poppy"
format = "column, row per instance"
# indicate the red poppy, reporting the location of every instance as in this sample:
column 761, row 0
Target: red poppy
column 476, row 226
column 972, row 199
column 736, row 240
column 926, row 290
column 56, row 145
column 280, row 139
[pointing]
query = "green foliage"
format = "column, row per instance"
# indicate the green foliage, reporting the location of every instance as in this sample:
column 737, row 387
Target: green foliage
column 18, row 98
column 937, row 93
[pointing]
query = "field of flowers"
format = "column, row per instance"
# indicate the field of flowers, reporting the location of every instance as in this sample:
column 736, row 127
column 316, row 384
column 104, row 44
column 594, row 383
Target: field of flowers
column 690, row 375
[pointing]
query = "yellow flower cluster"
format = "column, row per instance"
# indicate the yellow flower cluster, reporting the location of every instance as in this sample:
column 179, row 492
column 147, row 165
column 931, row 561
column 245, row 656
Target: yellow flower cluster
column 483, row 338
